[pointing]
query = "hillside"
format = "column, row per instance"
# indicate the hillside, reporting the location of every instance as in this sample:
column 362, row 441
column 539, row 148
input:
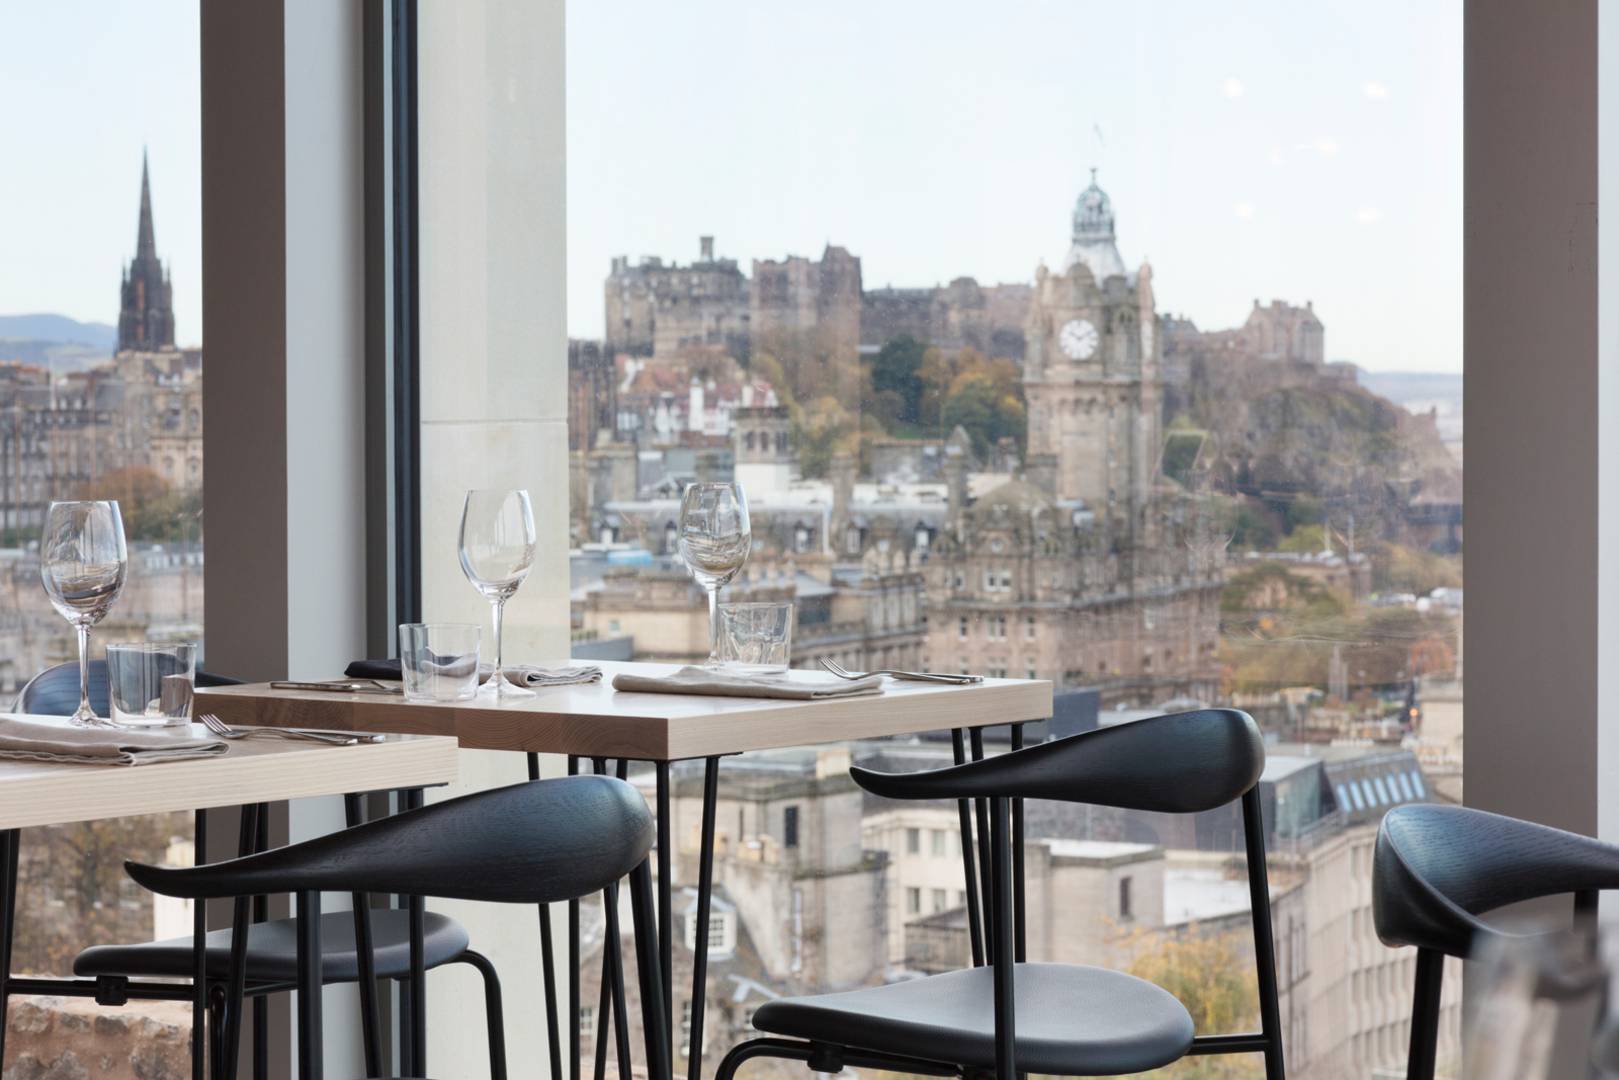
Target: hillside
column 58, row 330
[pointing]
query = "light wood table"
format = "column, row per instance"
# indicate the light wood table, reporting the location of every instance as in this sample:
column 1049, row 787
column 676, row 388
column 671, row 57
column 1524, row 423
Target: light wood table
column 594, row 721
column 252, row 771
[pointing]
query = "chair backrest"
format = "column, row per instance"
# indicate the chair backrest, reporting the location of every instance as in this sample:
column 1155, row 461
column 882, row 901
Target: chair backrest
column 1180, row 763
column 1437, row 868
column 55, row 691
column 533, row 843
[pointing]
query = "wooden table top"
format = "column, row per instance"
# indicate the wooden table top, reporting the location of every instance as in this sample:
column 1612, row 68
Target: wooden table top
column 252, row 770
column 594, row 720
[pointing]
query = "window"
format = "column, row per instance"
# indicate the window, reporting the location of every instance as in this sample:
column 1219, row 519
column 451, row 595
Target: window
column 101, row 397
column 940, row 901
column 913, row 841
column 789, row 827
column 1199, row 473
column 1125, row 909
column 937, row 837
column 913, row 900
column 587, row 1022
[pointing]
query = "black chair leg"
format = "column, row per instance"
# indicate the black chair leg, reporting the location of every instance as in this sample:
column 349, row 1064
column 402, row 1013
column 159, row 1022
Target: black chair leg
column 494, row 1011
column 1425, row 1015
column 772, row 1048
column 309, row 986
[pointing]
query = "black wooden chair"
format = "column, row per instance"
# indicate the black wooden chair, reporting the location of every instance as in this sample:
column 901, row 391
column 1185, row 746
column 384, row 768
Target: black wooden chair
column 272, row 944
column 1438, row 868
column 534, row 843
column 1010, row 1018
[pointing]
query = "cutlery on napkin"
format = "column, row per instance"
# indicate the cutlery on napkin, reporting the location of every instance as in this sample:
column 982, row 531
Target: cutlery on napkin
column 28, row 739
column 794, row 686
column 530, row 675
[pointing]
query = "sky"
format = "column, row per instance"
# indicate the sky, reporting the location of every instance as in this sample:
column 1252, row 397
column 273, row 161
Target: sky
column 1252, row 150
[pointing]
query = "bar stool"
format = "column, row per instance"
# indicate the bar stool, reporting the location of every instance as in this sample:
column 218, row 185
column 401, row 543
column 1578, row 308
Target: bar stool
column 1009, row 1018
column 1436, row 869
column 545, row 841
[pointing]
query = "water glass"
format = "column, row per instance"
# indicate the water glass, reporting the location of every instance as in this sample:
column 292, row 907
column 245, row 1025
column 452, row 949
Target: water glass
column 756, row 638
column 151, row 685
column 439, row 661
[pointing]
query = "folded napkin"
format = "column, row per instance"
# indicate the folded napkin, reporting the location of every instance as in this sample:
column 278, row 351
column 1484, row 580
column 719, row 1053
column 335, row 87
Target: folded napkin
column 794, row 686
column 520, row 674
column 37, row 740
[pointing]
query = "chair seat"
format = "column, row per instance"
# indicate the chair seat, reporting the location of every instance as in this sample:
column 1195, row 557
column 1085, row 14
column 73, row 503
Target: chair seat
column 1070, row 1020
column 272, row 950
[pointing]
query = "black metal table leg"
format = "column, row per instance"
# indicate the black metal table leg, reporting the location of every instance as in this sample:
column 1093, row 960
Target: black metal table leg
column 705, row 894
column 1019, row 914
column 10, row 841
column 548, row 966
column 573, row 965
column 261, row 1005
column 975, row 930
column 230, row 1001
column 370, row 1017
column 199, row 971
column 666, row 955
column 985, row 865
column 418, row 969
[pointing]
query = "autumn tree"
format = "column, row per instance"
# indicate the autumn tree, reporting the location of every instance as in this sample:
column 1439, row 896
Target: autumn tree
column 1210, row 975
column 150, row 509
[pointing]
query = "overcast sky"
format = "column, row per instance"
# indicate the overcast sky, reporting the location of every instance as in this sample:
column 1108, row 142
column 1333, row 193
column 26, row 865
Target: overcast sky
column 1260, row 149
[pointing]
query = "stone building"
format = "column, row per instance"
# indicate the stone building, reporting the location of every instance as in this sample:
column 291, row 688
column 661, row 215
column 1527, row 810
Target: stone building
column 146, row 296
column 592, row 394
column 960, row 315
column 658, row 309
column 797, row 297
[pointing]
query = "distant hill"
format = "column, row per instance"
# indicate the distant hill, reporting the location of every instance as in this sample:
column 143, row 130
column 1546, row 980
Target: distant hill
column 58, row 330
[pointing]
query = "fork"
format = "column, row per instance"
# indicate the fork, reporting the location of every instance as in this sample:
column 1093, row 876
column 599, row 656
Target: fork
column 334, row 738
column 914, row 676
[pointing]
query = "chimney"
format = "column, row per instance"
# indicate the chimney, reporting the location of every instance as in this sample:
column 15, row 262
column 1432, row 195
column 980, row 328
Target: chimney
column 707, row 245
column 842, row 470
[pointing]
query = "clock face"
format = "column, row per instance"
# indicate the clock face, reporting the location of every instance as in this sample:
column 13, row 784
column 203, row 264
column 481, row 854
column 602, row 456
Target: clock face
column 1077, row 339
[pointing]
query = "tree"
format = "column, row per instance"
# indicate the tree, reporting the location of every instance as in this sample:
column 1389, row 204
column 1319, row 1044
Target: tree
column 151, row 511
column 986, row 399
column 896, row 380
column 1215, row 981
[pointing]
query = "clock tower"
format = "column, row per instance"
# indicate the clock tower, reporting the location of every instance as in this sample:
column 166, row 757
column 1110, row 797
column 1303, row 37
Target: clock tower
column 1091, row 372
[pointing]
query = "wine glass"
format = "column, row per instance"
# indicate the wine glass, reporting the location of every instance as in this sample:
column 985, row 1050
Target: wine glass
column 497, row 551
column 714, row 541
column 82, row 562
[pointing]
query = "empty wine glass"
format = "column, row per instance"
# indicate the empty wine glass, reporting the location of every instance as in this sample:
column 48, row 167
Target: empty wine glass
column 497, row 551
column 715, row 538
column 82, row 562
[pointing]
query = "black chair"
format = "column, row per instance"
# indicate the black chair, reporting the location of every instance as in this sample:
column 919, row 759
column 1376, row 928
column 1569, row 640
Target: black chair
column 1436, row 869
column 272, row 946
column 1009, row 1018
column 535, row 843
column 55, row 691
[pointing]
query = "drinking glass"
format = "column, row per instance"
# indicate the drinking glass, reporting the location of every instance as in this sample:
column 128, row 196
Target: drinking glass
column 439, row 661
column 497, row 551
column 756, row 638
column 714, row 541
column 151, row 685
column 82, row 562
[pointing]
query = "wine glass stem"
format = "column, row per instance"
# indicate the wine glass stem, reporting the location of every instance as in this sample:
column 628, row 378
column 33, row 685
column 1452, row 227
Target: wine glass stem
column 713, row 626
column 500, row 611
column 84, row 672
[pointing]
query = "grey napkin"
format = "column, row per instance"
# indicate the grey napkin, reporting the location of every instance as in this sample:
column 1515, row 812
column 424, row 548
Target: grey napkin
column 39, row 740
column 530, row 675
column 794, row 686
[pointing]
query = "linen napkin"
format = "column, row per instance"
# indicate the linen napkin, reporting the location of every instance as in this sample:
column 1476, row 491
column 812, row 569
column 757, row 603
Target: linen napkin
column 37, row 740
column 530, row 675
column 793, row 686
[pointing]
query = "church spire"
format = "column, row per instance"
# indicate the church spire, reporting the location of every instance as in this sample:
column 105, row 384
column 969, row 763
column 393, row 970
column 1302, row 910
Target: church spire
column 145, row 239
column 146, row 301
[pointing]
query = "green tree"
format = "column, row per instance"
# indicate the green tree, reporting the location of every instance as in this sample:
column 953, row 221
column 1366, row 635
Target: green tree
column 1215, row 981
column 896, row 380
column 985, row 406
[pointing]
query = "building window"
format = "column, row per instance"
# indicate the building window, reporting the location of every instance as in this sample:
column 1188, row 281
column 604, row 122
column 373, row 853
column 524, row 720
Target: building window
column 587, row 1022
column 937, row 839
column 1125, row 907
column 789, row 827
column 1028, row 628
column 961, row 628
column 940, row 900
column 913, row 841
column 913, row 901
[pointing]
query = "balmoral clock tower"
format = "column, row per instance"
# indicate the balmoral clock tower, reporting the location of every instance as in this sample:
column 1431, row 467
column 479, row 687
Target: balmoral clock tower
column 1091, row 371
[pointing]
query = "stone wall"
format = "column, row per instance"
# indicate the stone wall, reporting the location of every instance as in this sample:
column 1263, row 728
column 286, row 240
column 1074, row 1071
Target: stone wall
column 49, row 1038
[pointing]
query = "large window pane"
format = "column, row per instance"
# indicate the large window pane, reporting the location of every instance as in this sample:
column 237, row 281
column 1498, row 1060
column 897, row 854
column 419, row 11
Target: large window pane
column 888, row 267
column 100, row 397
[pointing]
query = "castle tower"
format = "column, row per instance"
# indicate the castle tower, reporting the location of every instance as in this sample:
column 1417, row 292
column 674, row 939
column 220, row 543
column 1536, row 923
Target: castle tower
column 761, row 438
column 146, row 302
column 1092, row 370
